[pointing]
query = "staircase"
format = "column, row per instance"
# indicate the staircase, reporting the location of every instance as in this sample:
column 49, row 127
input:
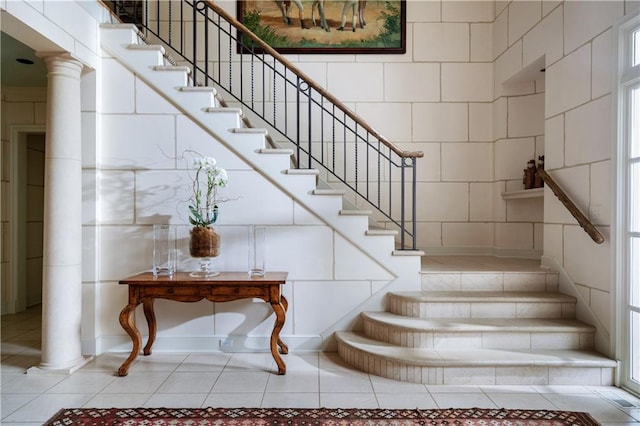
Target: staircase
column 453, row 327
column 479, row 327
column 225, row 125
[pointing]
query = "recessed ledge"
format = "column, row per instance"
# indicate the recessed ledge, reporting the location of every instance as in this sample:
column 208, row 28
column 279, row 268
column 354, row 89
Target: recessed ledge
column 524, row 193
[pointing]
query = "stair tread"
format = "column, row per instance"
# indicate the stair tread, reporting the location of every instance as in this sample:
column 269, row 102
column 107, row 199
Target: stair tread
column 376, row 232
column 483, row 296
column 224, row 109
column 151, row 47
column 347, row 212
column 494, row 325
column 302, row 172
column 329, row 192
column 178, row 68
column 285, row 151
column 250, row 130
column 475, row 357
column 408, row 253
column 206, row 89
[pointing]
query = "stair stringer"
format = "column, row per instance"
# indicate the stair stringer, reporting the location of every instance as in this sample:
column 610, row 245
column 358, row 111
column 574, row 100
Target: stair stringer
column 403, row 267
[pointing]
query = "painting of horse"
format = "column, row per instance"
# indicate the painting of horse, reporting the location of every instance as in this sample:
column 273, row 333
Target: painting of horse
column 327, row 26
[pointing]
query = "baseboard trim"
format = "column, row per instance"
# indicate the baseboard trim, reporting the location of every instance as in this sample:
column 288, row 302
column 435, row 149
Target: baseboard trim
column 232, row 344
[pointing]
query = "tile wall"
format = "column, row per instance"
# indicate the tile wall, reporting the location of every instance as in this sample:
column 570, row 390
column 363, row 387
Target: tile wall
column 566, row 116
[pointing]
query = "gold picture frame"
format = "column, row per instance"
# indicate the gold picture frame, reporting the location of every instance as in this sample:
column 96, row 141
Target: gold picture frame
column 327, row 26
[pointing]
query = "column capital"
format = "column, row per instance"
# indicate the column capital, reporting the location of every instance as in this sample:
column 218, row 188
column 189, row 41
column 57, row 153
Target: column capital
column 56, row 61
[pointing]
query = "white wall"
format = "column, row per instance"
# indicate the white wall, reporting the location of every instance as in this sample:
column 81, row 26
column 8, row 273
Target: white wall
column 575, row 40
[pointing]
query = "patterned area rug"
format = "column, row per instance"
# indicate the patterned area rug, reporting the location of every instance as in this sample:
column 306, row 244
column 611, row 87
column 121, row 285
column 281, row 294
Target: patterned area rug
column 316, row 416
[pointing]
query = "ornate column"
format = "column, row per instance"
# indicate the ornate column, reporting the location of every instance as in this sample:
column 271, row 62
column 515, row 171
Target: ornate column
column 62, row 233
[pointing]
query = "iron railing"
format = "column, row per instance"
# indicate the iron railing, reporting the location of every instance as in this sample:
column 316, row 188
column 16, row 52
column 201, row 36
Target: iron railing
column 323, row 132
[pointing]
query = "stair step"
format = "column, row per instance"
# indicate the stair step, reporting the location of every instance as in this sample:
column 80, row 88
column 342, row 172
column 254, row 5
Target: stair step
column 223, row 117
column 313, row 172
column 302, row 180
column 482, row 304
column 150, row 53
column 224, row 110
column 122, row 34
column 285, row 151
column 376, row 232
column 345, row 212
column 197, row 96
column 450, row 325
column 329, row 192
column 482, row 296
column 170, row 68
column 475, row 366
column 207, row 89
column 169, row 76
column 541, row 281
column 250, row 130
column 151, row 47
column 408, row 253
column 481, row 333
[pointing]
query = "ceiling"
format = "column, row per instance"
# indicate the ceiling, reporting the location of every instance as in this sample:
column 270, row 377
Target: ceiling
column 14, row 73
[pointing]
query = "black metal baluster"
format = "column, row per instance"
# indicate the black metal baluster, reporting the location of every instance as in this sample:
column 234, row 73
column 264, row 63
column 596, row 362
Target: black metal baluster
column 414, row 211
column 297, row 116
column 195, row 43
column 333, row 140
column 355, row 156
column 309, row 124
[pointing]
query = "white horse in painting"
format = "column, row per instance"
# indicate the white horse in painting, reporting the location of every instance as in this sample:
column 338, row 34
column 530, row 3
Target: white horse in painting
column 320, row 6
column 357, row 11
column 285, row 8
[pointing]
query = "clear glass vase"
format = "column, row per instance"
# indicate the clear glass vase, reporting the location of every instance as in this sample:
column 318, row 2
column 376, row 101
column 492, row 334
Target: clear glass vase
column 164, row 253
column 256, row 250
column 204, row 244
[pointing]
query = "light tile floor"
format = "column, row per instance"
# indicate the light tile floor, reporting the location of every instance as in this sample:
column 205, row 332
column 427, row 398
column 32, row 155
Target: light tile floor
column 247, row 380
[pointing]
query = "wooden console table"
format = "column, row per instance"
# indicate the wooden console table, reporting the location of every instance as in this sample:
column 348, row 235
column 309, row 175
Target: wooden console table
column 228, row 286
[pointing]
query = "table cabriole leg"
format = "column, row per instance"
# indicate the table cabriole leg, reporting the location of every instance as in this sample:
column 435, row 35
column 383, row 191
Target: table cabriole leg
column 149, row 314
column 126, row 321
column 275, row 336
column 284, row 349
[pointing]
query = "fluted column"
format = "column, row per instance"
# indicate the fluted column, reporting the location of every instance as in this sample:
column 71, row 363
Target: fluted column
column 62, row 233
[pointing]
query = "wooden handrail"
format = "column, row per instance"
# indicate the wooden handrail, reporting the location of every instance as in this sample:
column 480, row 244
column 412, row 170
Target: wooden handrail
column 583, row 221
column 308, row 80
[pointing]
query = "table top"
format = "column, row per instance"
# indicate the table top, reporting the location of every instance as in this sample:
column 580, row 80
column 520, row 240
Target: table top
column 226, row 278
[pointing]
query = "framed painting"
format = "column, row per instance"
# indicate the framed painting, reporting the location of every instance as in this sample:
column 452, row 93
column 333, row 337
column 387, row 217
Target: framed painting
column 327, row 26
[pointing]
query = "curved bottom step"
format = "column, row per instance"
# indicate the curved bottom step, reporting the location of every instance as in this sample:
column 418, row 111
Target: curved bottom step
column 475, row 366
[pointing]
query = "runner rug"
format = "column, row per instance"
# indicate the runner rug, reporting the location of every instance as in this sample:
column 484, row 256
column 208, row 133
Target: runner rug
column 316, row 416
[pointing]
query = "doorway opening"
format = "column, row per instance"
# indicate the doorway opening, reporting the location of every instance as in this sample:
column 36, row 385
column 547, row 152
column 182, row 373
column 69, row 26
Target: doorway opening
column 26, row 213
